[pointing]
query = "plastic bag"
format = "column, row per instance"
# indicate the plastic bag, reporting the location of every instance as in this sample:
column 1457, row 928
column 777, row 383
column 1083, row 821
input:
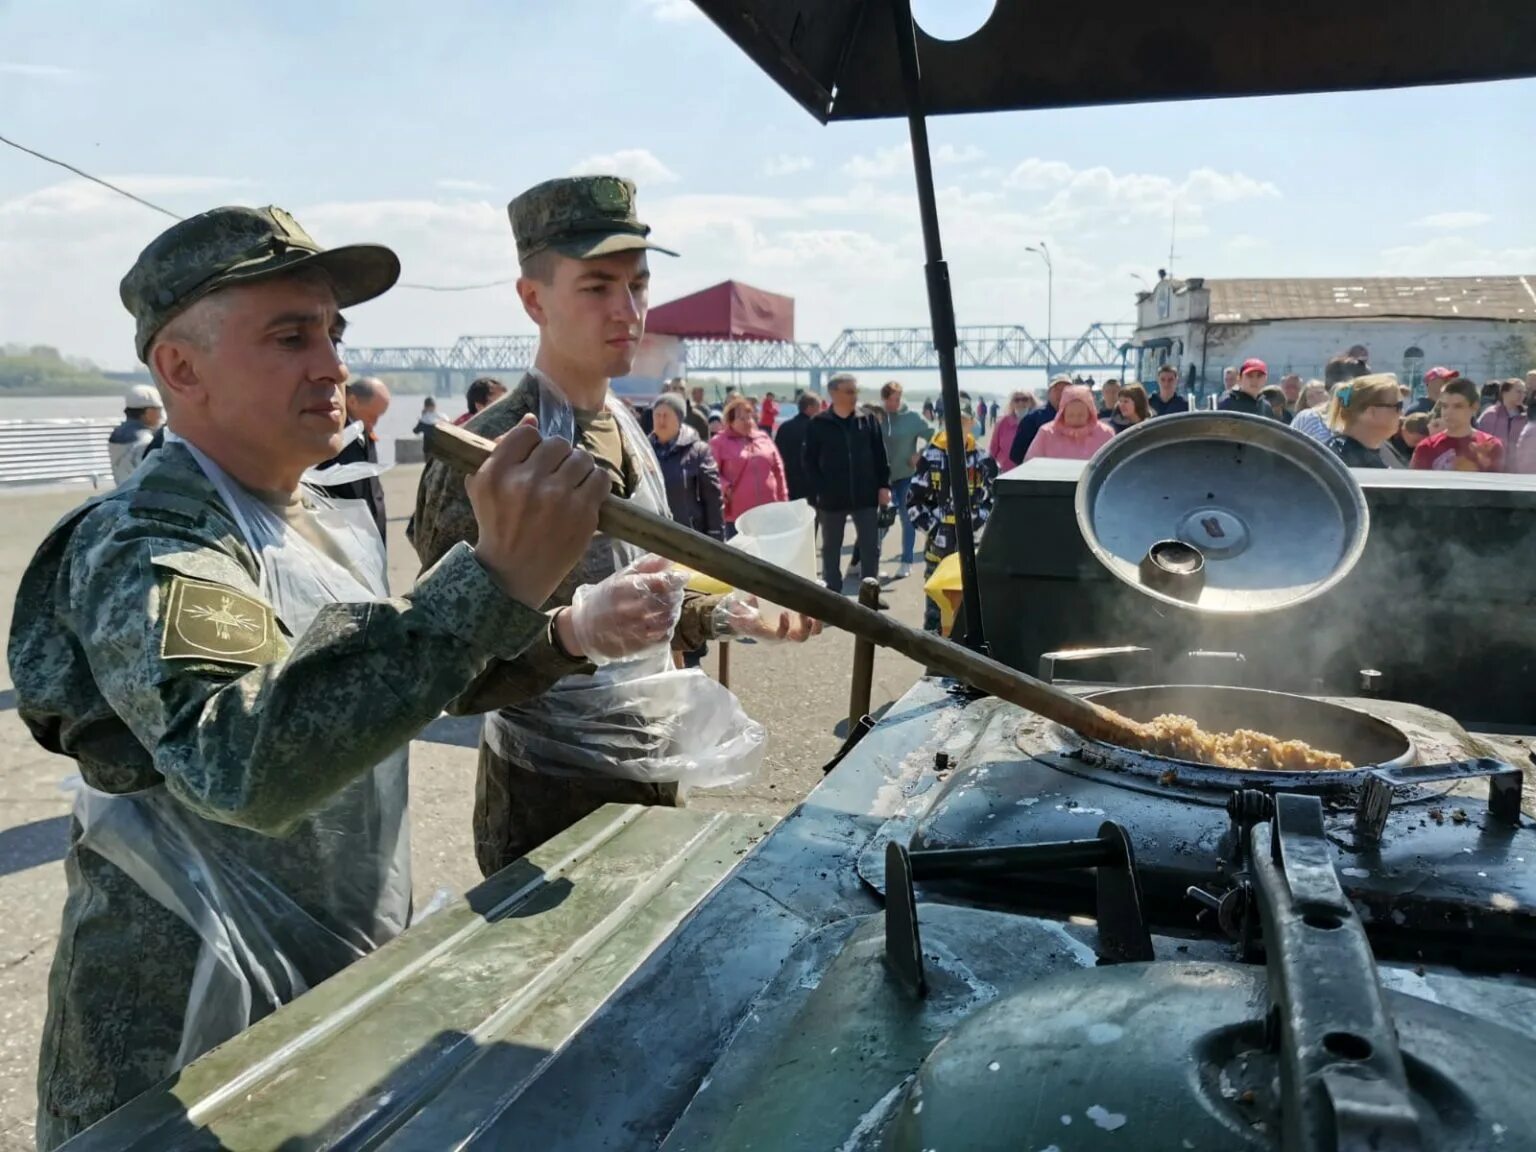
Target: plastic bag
column 274, row 915
column 673, row 726
column 347, row 473
column 637, row 719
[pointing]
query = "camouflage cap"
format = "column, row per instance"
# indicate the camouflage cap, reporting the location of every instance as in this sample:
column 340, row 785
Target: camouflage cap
column 234, row 246
column 580, row 216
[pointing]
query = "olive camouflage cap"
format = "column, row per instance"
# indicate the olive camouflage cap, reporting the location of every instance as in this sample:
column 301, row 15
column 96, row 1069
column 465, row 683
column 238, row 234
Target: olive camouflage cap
column 580, row 216
column 235, row 245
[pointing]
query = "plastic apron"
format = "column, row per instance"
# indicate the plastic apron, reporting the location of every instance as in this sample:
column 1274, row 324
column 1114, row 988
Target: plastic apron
column 338, row 474
column 640, row 719
column 274, row 915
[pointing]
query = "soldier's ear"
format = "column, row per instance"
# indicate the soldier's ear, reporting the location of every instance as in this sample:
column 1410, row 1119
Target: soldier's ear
column 530, row 292
column 173, row 368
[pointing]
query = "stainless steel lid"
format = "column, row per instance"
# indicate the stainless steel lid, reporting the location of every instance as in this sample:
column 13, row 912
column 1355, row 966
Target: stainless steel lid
column 1277, row 517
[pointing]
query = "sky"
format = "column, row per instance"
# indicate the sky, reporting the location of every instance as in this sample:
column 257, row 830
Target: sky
column 414, row 124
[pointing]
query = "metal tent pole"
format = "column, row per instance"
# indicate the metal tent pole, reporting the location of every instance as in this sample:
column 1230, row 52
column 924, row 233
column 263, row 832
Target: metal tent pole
column 941, row 309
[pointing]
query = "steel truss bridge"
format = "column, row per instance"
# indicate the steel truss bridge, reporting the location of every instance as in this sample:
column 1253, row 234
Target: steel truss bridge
column 1102, row 349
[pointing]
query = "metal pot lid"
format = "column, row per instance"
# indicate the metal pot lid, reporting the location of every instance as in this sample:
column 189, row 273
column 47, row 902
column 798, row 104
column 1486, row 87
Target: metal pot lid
column 1277, row 517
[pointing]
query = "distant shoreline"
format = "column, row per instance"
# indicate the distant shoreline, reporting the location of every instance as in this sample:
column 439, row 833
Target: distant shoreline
column 54, row 392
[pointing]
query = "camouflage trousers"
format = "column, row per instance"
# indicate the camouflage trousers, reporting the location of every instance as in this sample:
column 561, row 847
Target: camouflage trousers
column 517, row 809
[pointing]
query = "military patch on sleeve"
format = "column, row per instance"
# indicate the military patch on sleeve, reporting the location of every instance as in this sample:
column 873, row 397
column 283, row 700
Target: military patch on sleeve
column 210, row 622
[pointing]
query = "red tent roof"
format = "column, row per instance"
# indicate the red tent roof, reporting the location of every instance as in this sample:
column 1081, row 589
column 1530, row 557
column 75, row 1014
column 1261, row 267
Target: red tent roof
column 728, row 311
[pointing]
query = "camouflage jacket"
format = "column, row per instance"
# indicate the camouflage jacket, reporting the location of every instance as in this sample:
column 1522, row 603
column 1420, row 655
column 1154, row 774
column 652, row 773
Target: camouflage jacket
column 142, row 647
column 444, row 520
column 517, row 807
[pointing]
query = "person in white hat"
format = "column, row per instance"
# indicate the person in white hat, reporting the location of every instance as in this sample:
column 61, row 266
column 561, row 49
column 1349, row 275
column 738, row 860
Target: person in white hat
column 131, row 440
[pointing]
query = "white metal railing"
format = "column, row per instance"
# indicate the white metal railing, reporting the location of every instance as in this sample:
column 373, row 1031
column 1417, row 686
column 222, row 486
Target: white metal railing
column 54, row 451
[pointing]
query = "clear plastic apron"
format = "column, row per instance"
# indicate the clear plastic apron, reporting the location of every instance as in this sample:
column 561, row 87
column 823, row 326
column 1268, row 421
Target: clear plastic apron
column 641, row 719
column 273, row 914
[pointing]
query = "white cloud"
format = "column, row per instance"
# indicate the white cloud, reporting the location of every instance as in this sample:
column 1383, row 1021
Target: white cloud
column 1454, row 255
column 450, row 185
column 1242, row 242
column 897, row 160
column 37, row 71
column 884, row 163
column 672, row 11
column 785, row 164
column 946, row 154
column 1036, row 175
column 1449, row 221
column 638, row 164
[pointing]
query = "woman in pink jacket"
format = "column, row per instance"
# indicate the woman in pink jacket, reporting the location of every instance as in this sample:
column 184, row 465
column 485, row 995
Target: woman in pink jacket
column 1076, row 433
column 751, row 469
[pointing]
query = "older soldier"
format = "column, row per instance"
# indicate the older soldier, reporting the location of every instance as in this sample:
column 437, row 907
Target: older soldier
column 585, row 283
column 213, row 644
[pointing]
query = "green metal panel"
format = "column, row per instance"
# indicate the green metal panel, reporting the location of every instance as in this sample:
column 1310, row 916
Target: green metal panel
column 501, row 978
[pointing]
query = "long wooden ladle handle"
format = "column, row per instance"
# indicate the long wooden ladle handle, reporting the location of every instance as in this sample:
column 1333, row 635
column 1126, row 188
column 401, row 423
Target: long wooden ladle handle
column 465, row 452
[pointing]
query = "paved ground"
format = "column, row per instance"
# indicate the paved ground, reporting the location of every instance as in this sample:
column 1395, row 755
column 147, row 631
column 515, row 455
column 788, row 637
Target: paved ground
column 800, row 694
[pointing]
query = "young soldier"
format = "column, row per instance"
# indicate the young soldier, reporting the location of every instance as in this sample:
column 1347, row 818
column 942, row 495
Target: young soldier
column 585, row 282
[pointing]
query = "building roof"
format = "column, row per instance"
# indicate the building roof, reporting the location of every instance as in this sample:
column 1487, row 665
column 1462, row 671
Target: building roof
column 727, row 311
column 1359, row 298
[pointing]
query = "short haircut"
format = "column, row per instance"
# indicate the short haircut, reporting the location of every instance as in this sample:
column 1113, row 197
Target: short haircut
column 478, row 394
column 540, row 266
column 1417, row 422
column 362, row 388
column 808, row 402
column 842, row 378
column 890, row 388
column 673, row 401
column 1462, row 387
column 1342, row 368
column 1161, row 368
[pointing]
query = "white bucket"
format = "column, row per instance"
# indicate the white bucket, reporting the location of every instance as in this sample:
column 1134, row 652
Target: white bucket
column 784, row 534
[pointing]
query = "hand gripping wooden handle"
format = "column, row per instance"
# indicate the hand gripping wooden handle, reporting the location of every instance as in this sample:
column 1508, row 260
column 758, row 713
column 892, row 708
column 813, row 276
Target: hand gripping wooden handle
column 465, row 452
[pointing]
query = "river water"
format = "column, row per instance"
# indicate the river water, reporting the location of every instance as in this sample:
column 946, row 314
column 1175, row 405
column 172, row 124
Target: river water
column 397, row 422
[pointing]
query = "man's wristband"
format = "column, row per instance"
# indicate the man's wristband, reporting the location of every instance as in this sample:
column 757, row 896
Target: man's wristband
column 554, row 635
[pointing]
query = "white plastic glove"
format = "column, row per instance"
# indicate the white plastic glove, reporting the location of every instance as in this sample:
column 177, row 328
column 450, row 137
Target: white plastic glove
column 739, row 614
column 630, row 613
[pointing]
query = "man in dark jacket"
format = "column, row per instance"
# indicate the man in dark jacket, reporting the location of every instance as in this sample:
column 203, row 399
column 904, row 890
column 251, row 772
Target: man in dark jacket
column 849, row 478
column 790, row 440
column 1245, row 397
column 1165, row 399
column 367, row 401
column 1030, row 426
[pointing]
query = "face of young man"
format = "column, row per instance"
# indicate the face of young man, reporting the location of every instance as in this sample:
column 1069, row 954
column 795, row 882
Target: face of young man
column 591, row 313
column 1457, row 411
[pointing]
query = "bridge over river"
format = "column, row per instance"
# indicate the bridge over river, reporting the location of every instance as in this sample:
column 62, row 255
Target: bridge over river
column 1102, row 349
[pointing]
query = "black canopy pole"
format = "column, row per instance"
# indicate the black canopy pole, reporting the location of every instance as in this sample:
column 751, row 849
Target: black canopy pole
column 941, row 309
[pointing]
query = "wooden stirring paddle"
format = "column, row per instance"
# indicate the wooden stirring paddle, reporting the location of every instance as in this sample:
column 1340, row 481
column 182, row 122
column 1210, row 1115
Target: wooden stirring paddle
column 465, row 452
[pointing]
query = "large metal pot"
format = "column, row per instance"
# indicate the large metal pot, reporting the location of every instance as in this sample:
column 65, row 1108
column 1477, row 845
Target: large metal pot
column 1364, row 740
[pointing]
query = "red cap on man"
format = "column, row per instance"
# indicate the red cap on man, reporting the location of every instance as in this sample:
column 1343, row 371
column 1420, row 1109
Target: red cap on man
column 1439, row 373
column 1254, row 365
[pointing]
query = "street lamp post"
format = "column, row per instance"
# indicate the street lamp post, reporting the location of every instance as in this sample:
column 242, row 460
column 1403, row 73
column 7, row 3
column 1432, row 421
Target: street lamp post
column 1050, row 301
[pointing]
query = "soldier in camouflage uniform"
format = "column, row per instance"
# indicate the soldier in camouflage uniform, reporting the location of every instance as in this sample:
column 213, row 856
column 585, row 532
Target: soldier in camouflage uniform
column 145, row 646
column 585, row 282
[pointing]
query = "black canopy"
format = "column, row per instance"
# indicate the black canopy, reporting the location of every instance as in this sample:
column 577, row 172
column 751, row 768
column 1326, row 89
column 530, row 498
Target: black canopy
column 838, row 58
